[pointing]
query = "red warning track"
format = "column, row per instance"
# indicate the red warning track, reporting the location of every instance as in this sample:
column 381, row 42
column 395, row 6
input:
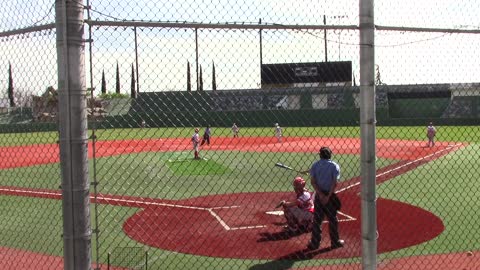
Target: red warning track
column 240, row 225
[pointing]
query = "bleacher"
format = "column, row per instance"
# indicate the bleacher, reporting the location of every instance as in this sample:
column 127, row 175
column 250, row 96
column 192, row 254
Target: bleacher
column 17, row 115
column 463, row 107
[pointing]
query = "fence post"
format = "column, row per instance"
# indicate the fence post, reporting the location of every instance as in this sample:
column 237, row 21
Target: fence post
column 146, row 260
column 367, row 133
column 73, row 135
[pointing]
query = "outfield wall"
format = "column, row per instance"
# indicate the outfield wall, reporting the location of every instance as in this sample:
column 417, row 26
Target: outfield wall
column 293, row 118
column 326, row 106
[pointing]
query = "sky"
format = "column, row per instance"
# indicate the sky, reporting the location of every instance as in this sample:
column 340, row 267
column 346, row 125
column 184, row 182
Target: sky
column 163, row 54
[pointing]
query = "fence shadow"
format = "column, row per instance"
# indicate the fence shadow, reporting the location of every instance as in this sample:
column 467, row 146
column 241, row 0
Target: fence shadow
column 286, row 262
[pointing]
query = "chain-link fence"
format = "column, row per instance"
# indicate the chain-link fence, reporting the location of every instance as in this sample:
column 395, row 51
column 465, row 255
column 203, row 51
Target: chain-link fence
column 171, row 135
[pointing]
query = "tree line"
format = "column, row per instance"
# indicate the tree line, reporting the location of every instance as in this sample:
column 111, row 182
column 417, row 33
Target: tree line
column 133, row 84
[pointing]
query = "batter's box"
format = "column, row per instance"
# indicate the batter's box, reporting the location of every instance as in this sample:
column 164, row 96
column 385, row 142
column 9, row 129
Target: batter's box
column 342, row 217
column 241, row 218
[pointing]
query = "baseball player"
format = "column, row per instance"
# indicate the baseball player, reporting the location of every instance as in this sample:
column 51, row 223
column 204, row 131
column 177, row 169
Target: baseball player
column 206, row 136
column 235, row 130
column 195, row 143
column 431, row 131
column 299, row 212
column 278, row 132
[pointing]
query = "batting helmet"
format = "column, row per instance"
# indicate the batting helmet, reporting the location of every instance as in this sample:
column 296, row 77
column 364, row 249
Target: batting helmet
column 298, row 183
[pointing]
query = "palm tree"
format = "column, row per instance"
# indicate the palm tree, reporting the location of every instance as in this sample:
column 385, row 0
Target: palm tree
column 10, row 85
column 189, row 82
column 133, row 92
column 200, row 87
column 104, row 83
column 214, row 81
column 117, row 84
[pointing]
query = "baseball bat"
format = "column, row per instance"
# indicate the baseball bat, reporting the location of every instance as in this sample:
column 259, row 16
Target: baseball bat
column 283, row 166
column 280, row 204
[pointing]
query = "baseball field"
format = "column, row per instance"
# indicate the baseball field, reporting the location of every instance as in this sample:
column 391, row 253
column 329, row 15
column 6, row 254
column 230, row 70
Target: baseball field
column 219, row 212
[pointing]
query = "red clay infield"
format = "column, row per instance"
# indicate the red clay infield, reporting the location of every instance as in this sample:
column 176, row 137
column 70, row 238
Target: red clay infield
column 239, row 225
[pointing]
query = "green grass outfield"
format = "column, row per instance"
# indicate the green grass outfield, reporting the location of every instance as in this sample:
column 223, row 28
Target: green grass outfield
column 445, row 133
column 447, row 187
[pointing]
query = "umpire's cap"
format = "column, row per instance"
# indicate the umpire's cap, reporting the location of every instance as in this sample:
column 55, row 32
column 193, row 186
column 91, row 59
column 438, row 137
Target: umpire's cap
column 325, row 153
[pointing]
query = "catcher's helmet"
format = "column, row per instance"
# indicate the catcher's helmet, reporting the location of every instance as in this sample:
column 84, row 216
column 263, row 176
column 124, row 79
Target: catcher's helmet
column 298, row 183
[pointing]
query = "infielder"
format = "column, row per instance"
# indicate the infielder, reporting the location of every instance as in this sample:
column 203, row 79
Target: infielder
column 278, row 132
column 431, row 131
column 195, row 143
column 206, row 136
column 235, row 130
column 299, row 212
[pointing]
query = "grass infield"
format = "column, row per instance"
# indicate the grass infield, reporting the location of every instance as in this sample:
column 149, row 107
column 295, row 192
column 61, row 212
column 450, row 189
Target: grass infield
column 190, row 167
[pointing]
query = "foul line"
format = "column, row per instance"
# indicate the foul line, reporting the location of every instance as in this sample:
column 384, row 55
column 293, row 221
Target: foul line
column 31, row 193
column 208, row 209
column 129, row 202
column 401, row 166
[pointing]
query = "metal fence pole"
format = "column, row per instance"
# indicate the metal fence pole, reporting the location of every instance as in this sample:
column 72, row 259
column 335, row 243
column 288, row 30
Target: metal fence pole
column 367, row 132
column 146, row 260
column 73, row 135
column 136, row 57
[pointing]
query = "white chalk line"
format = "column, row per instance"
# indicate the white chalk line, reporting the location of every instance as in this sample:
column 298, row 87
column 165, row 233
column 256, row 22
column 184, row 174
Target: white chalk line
column 208, row 209
column 135, row 202
column 228, row 228
column 219, row 219
column 347, row 217
column 401, row 166
column 31, row 192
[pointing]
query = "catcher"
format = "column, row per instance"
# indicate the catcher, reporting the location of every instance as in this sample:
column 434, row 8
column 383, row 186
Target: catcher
column 298, row 213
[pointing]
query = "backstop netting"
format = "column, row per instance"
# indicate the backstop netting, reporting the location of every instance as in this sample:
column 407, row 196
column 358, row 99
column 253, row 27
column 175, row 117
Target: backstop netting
column 174, row 135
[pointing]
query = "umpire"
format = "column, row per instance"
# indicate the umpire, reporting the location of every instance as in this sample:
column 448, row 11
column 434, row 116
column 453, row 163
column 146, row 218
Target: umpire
column 324, row 175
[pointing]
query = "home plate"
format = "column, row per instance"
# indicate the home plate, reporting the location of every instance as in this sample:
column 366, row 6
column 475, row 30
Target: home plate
column 275, row 213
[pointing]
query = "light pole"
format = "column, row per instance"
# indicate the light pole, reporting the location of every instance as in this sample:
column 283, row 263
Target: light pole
column 325, row 36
